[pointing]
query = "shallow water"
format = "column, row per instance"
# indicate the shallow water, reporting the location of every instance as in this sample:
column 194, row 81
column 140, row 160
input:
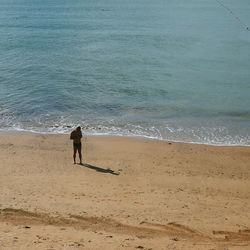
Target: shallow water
column 165, row 69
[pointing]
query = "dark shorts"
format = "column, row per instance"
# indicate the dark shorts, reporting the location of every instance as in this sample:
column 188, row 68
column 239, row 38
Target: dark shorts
column 77, row 145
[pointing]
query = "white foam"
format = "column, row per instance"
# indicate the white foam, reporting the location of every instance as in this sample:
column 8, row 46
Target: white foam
column 200, row 136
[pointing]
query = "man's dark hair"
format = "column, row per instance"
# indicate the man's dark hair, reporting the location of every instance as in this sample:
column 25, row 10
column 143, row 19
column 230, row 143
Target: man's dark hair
column 78, row 127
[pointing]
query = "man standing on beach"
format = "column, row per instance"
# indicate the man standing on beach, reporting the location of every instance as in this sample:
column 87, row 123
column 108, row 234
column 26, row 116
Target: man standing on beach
column 76, row 136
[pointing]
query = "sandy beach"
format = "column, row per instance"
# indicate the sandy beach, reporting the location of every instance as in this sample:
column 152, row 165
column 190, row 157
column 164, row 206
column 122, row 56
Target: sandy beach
column 129, row 194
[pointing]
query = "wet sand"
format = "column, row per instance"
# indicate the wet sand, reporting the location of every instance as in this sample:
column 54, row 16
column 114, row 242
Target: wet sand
column 129, row 194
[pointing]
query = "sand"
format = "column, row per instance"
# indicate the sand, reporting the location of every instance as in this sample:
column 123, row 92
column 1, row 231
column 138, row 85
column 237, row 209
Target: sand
column 129, row 194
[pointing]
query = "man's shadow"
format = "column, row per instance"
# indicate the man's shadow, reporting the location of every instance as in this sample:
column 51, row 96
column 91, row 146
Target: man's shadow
column 101, row 170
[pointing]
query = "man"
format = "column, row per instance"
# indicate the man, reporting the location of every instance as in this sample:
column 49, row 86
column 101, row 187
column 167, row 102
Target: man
column 76, row 136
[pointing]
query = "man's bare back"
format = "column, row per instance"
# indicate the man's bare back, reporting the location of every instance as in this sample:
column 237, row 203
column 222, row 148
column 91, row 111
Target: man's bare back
column 76, row 136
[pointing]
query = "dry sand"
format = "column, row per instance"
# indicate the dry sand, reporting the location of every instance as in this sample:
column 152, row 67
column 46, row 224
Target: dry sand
column 129, row 194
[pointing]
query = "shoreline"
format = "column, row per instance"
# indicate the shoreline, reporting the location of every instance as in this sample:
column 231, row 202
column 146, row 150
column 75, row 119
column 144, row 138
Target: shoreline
column 128, row 193
column 139, row 137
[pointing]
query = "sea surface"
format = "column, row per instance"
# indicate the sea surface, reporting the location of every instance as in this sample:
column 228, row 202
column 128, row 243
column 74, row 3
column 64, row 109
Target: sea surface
column 174, row 70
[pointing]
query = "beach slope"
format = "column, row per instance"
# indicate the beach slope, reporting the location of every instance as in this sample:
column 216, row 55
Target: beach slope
column 129, row 194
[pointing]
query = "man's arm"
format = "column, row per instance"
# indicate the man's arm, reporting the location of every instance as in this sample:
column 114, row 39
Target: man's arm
column 72, row 136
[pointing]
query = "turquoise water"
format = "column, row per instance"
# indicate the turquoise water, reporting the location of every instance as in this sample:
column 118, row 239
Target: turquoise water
column 165, row 69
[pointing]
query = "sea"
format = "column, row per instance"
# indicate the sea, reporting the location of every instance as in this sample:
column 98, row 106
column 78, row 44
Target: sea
column 174, row 70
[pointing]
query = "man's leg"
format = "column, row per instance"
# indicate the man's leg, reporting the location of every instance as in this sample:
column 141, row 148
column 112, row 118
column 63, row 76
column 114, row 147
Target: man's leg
column 80, row 153
column 74, row 155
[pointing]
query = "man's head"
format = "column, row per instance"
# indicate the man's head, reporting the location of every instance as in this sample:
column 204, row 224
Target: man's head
column 78, row 128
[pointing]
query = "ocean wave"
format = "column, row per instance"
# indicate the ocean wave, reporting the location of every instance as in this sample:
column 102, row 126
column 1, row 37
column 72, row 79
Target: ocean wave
column 199, row 135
